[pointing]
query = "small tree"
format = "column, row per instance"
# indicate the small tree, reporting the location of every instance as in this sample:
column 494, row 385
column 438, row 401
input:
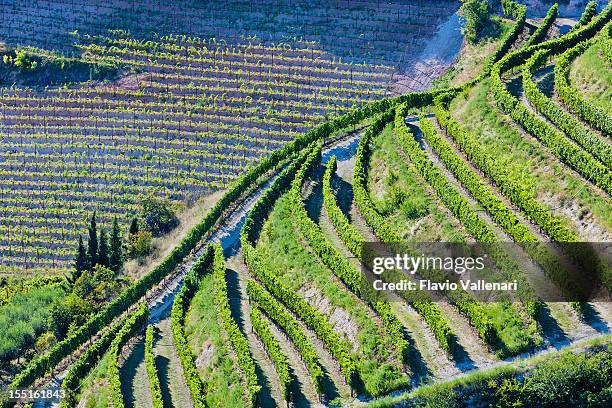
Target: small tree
column 103, row 248
column 92, row 243
column 115, row 257
column 476, row 15
column 80, row 261
column 140, row 244
column 134, row 226
column 72, row 311
column 158, row 216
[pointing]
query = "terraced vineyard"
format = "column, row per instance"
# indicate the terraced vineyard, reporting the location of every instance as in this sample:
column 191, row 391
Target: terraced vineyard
column 188, row 114
column 263, row 301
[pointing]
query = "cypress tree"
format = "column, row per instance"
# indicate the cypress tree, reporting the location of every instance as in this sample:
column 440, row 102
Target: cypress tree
column 80, row 261
column 92, row 243
column 103, row 248
column 115, row 261
column 134, row 226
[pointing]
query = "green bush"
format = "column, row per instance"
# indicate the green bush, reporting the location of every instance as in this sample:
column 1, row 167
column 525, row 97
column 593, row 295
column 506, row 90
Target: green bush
column 158, row 216
column 476, row 15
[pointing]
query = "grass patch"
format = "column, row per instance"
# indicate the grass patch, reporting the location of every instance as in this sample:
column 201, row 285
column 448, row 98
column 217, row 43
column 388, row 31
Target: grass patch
column 592, row 76
column 401, row 195
column 96, row 388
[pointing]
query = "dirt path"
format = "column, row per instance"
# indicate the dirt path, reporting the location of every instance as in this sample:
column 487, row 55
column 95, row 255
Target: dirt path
column 134, row 380
column 238, row 275
column 173, row 387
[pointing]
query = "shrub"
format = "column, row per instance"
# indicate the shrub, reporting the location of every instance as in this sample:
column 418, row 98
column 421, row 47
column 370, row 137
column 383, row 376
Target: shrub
column 158, row 216
column 476, row 15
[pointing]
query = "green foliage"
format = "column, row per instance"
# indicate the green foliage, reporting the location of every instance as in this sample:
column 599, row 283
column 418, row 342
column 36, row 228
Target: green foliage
column 134, row 226
column 486, row 197
column 154, row 385
column 355, row 241
column 514, row 189
column 540, row 33
column 563, row 149
column 80, row 260
column 103, row 248
column 21, row 60
column 140, row 244
column 92, row 243
column 587, row 15
column 476, row 16
column 68, row 314
column 579, row 378
column 40, row 365
column 606, row 43
column 44, row 342
column 237, row 340
column 512, row 8
column 572, row 380
column 279, row 359
column 24, row 319
column 115, row 256
column 157, row 216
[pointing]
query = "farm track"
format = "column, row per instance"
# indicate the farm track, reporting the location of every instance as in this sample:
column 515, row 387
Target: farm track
column 135, row 383
column 172, row 381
